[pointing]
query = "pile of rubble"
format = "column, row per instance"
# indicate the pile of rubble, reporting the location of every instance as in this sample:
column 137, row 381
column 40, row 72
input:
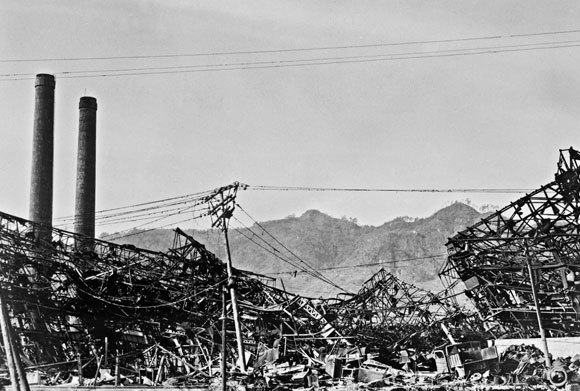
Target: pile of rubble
column 456, row 366
column 526, row 364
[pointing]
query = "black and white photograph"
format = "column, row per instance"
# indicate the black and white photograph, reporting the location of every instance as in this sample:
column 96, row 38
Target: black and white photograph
column 330, row 195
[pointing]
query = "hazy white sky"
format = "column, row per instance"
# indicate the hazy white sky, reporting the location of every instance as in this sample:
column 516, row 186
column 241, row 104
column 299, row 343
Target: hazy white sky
column 482, row 121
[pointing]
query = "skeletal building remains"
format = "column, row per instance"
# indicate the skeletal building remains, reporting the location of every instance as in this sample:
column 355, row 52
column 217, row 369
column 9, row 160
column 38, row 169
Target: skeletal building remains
column 533, row 242
column 70, row 303
column 392, row 314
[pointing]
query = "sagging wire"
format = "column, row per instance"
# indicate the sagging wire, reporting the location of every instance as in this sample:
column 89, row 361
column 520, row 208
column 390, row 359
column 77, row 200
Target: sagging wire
column 277, row 254
column 369, row 264
column 285, row 247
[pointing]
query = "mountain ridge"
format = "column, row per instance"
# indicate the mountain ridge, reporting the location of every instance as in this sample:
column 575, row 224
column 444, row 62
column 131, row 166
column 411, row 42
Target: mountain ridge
column 337, row 247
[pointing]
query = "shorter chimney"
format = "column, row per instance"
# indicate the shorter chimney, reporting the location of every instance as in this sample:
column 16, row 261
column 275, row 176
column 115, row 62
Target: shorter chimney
column 86, row 163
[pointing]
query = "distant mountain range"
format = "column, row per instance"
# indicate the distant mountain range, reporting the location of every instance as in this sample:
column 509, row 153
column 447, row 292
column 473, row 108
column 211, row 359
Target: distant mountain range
column 343, row 251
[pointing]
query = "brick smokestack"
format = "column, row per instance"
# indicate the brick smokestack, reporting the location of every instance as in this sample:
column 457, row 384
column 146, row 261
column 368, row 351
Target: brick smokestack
column 42, row 155
column 86, row 163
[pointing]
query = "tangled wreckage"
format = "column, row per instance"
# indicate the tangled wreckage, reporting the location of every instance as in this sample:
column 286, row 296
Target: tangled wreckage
column 83, row 312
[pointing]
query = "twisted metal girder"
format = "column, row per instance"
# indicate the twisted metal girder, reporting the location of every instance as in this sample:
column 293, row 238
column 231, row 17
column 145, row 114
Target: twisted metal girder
column 72, row 293
column 490, row 258
column 391, row 313
column 64, row 295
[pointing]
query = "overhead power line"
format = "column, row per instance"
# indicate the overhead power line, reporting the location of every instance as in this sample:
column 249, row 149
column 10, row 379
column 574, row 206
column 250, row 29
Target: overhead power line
column 173, row 203
column 296, row 261
column 363, row 265
column 250, row 235
column 293, row 50
column 388, row 190
column 276, row 253
column 293, row 61
column 117, row 236
column 297, row 62
column 140, row 213
column 148, row 213
column 192, row 196
column 194, row 205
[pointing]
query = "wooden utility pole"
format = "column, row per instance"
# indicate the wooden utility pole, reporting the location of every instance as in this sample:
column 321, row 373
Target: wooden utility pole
column 222, row 209
column 538, row 311
column 233, row 295
column 8, row 346
column 224, row 350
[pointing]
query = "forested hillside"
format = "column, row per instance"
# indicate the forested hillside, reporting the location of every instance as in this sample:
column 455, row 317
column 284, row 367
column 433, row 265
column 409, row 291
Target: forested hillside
column 338, row 248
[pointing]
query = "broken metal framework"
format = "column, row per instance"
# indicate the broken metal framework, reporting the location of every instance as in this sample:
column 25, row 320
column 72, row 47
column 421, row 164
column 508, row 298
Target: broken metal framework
column 491, row 258
column 76, row 298
column 63, row 299
column 73, row 300
column 389, row 312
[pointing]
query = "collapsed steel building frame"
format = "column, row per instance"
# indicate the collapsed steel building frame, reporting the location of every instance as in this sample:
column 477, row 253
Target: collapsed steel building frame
column 62, row 296
column 540, row 230
column 392, row 314
column 80, row 303
column 72, row 299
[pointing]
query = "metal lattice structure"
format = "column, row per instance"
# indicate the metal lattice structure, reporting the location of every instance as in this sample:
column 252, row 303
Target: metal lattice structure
column 491, row 258
column 63, row 297
column 391, row 312
column 72, row 296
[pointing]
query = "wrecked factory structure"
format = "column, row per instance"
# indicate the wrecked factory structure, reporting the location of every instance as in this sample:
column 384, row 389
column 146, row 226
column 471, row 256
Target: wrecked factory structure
column 76, row 310
column 81, row 308
column 391, row 314
column 86, row 311
column 529, row 248
column 89, row 308
column 91, row 311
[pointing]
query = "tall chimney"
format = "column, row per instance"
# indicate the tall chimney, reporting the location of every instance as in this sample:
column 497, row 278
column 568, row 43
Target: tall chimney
column 42, row 155
column 86, row 162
